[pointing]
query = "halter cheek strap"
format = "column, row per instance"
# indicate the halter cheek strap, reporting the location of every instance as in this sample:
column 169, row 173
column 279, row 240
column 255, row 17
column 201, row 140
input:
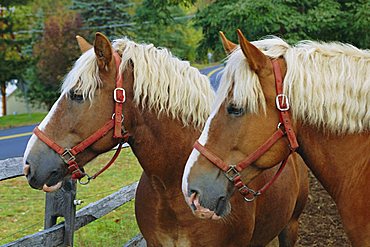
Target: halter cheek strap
column 233, row 172
column 68, row 155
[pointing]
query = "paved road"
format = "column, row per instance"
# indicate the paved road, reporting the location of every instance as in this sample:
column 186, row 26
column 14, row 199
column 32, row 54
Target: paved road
column 214, row 73
column 13, row 141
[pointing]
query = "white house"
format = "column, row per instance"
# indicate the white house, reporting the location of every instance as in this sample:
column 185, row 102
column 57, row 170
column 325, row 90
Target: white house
column 17, row 105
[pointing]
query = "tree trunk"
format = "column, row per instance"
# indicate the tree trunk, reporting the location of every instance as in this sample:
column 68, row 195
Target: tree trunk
column 3, row 94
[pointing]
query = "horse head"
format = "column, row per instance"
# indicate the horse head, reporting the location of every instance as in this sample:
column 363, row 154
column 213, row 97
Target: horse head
column 244, row 117
column 85, row 108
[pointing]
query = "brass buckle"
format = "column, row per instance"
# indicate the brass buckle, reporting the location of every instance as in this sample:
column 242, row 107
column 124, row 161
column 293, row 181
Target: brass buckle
column 70, row 156
column 232, row 173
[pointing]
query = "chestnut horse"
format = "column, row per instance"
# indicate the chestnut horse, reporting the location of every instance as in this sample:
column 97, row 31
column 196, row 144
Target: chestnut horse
column 166, row 102
column 328, row 85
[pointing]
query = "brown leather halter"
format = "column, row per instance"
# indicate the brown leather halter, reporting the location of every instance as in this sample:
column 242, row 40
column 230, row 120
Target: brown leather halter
column 68, row 155
column 232, row 172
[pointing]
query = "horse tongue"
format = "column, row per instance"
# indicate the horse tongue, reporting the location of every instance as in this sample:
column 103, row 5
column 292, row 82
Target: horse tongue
column 52, row 188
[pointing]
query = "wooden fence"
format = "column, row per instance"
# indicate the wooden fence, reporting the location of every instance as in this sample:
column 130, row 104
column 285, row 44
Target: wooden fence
column 62, row 203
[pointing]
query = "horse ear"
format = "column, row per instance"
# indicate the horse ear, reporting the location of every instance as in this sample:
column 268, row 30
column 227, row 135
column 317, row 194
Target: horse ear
column 256, row 59
column 83, row 44
column 103, row 50
column 229, row 46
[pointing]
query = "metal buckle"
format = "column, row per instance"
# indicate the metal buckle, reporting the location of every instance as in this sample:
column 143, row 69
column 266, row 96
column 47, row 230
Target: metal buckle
column 284, row 101
column 250, row 191
column 232, row 173
column 67, row 152
column 116, row 97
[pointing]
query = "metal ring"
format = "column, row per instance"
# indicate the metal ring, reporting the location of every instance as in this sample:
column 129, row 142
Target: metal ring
column 87, row 181
column 249, row 199
column 123, row 117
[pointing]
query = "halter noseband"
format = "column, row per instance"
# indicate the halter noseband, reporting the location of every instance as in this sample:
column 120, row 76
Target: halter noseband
column 68, row 155
column 232, row 172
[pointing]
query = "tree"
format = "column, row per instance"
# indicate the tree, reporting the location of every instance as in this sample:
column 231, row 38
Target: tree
column 56, row 53
column 108, row 16
column 12, row 58
column 164, row 23
column 293, row 20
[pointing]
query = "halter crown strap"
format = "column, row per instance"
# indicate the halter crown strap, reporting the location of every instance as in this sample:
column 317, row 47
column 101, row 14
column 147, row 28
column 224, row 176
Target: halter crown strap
column 119, row 96
column 282, row 104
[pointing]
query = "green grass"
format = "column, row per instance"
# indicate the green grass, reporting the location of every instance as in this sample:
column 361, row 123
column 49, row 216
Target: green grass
column 204, row 65
column 22, row 208
column 10, row 121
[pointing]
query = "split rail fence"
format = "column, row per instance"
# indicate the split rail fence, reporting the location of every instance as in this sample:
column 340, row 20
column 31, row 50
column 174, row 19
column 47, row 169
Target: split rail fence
column 62, row 203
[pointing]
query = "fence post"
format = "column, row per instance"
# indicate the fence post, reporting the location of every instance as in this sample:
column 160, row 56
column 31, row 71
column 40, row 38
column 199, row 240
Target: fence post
column 61, row 203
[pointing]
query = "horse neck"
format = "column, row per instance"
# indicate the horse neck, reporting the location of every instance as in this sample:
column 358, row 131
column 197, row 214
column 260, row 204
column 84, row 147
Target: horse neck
column 342, row 165
column 162, row 145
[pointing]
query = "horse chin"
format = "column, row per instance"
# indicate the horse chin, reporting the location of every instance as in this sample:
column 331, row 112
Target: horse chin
column 52, row 188
column 199, row 211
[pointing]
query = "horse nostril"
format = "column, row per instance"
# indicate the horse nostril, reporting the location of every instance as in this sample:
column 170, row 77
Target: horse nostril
column 54, row 173
column 194, row 191
column 221, row 205
column 193, row 198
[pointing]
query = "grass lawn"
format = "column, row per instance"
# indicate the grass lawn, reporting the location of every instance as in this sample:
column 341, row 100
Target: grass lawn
column 10, row 121
column 205, row 65
column 22, row 208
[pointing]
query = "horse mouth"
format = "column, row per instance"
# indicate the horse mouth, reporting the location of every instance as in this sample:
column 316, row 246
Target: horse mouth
column 54, row 183
column 199, row 211
column 52, row 188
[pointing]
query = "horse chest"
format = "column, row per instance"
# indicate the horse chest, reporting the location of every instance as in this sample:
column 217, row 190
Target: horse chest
column 167, row 240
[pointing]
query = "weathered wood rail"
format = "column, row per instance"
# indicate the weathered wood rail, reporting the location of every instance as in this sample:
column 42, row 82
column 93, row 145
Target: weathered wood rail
column 56, row 205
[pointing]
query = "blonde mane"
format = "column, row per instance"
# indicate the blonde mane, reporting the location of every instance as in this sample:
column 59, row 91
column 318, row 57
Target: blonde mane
column 328, row 84
column 163, row 83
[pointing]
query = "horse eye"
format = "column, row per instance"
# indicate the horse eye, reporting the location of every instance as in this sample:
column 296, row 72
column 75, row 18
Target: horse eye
column 75, row 96
column 234, row 110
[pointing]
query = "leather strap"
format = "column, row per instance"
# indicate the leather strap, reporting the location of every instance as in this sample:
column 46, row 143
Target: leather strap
column 92, row 138
column 211, row 156
column 44, row 138
column 260, row 151
column 119, row 98
column 285, row 118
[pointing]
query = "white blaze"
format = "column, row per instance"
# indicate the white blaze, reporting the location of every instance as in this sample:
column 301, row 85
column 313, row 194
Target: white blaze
column 194, row 154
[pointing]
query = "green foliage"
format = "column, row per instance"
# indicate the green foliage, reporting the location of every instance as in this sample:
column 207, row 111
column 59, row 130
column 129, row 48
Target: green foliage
column 107, row 16
column 13, row 59
column 9, row 3
column 166, row 26
column 293, row 20
column 56, row 52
